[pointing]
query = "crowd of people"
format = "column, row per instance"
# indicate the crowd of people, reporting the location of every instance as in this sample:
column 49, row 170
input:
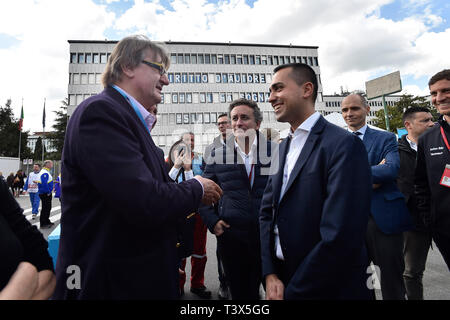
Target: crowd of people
column 305, row 217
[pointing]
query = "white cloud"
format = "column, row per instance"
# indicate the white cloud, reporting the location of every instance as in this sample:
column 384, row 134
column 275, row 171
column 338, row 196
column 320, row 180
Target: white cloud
column 415, row 90
column 355, row 43
column 37, row 67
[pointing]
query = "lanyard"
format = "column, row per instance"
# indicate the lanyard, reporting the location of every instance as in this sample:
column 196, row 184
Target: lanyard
column 445, row 138
column 132, row 105
column 250, row 174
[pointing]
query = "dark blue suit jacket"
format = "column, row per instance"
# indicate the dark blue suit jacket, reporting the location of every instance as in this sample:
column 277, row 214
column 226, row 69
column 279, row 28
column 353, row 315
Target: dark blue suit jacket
column 388, row 203
column 118, row 211
column 322, row 217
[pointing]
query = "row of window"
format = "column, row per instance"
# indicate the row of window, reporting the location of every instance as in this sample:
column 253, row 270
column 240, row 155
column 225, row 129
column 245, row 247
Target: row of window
column 219, row 77
column 250, row 59
column 165, row 119
column 191, row 97
column 96, row 78
column 200, row 58
column 212, row 97
column 324, row 113
column 76, row 99
column 89, row 57
column 375, row 103
column 85, row 78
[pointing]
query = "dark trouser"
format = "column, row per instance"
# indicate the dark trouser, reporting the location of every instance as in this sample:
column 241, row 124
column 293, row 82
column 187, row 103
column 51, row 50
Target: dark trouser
column 45, row 209
column 241, row 259
column 220, row 271
column 386, row 252
column 416, row 246
column 443, row 243
column 198, row 255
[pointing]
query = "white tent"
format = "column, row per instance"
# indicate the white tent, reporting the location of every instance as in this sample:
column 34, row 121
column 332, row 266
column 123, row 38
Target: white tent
column 336, row 119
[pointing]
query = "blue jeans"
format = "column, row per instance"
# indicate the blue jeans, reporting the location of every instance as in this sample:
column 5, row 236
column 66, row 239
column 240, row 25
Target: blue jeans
column 34, row 199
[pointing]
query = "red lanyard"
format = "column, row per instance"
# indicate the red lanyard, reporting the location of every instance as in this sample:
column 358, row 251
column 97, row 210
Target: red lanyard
column 445, row 138
column 250, row 174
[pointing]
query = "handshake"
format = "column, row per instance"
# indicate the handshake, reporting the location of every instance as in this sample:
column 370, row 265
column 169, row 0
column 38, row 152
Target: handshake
column 211, row 191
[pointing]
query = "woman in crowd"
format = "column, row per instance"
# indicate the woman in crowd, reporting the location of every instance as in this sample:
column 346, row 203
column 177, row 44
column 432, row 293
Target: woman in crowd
column 185, row 226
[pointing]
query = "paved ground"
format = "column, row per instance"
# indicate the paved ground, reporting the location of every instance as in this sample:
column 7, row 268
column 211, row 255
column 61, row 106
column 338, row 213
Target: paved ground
column 436, row 279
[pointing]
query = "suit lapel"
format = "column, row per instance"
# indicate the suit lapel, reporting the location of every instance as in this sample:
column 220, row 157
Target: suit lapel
column 277, row 179
column 368, row 139
column 305, row 153
column 125, row 104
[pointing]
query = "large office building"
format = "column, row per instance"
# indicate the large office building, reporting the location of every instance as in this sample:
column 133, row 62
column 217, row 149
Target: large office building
column 204, row 78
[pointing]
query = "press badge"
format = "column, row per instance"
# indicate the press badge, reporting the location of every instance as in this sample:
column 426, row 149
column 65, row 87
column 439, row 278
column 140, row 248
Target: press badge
column 445, row 180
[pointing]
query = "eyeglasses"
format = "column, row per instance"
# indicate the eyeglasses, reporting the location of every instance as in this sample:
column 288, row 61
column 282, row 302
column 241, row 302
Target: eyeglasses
column 157, row 66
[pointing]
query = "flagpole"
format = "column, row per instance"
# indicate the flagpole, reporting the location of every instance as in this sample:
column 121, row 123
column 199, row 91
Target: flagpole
column 20, row 132
column 43, row 133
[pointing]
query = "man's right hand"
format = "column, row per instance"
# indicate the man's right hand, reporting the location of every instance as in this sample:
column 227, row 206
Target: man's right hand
column 211, row 191
column 274, row 288
column 219, row 227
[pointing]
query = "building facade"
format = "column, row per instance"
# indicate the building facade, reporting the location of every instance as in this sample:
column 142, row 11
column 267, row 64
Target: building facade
column 332, row 103
column 33, row 138
column 204, row 78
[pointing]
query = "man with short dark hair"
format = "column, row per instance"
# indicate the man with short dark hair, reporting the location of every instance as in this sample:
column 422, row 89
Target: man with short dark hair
column 314, row 210
column 432, row 182
column 388, row 215
column 224, row 126
column 418, row 240
column 119, row 210
column 241, row 169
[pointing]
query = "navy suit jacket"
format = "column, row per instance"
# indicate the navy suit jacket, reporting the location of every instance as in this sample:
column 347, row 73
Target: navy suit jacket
column 322, row 217
column 118, row 211
column 388, row 203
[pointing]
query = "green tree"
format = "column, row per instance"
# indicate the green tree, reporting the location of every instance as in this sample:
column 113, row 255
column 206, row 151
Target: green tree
column 38, row 150
column 59, row 132
column 10, row 134
column 396, row 111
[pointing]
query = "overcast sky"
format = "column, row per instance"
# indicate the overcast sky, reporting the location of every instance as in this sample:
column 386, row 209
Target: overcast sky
column 358, row 40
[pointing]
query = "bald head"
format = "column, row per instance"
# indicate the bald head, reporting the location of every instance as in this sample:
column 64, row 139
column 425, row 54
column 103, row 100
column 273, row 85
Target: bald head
column 355, row 109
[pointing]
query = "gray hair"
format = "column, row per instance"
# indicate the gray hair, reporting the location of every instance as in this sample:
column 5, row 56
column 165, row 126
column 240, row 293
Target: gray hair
column 129, row 52
column 46, row 162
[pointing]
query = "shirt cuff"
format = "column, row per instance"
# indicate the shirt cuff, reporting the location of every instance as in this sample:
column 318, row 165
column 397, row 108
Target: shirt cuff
column 173, row 173
column 189, row 174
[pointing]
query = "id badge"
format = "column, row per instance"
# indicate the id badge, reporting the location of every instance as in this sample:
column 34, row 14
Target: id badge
column 445, row 180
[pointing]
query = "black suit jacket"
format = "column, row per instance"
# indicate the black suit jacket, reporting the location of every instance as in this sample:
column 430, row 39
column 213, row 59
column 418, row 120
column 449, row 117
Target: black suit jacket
column 118, row 211
column 322, row 217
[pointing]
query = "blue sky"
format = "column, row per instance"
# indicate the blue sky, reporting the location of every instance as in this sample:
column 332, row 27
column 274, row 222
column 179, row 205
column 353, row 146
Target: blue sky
column 399, row 10
column 358, row 40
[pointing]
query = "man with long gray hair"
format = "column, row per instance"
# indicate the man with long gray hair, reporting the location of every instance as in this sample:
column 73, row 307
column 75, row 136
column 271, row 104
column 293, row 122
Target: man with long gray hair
column 119, row 216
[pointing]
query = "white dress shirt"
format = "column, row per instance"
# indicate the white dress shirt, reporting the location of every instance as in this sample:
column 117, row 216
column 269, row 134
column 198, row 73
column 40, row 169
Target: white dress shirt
column 361, row 130
column 249, row 159
column 174, row 172
column 412, row 144
column 298, row 140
